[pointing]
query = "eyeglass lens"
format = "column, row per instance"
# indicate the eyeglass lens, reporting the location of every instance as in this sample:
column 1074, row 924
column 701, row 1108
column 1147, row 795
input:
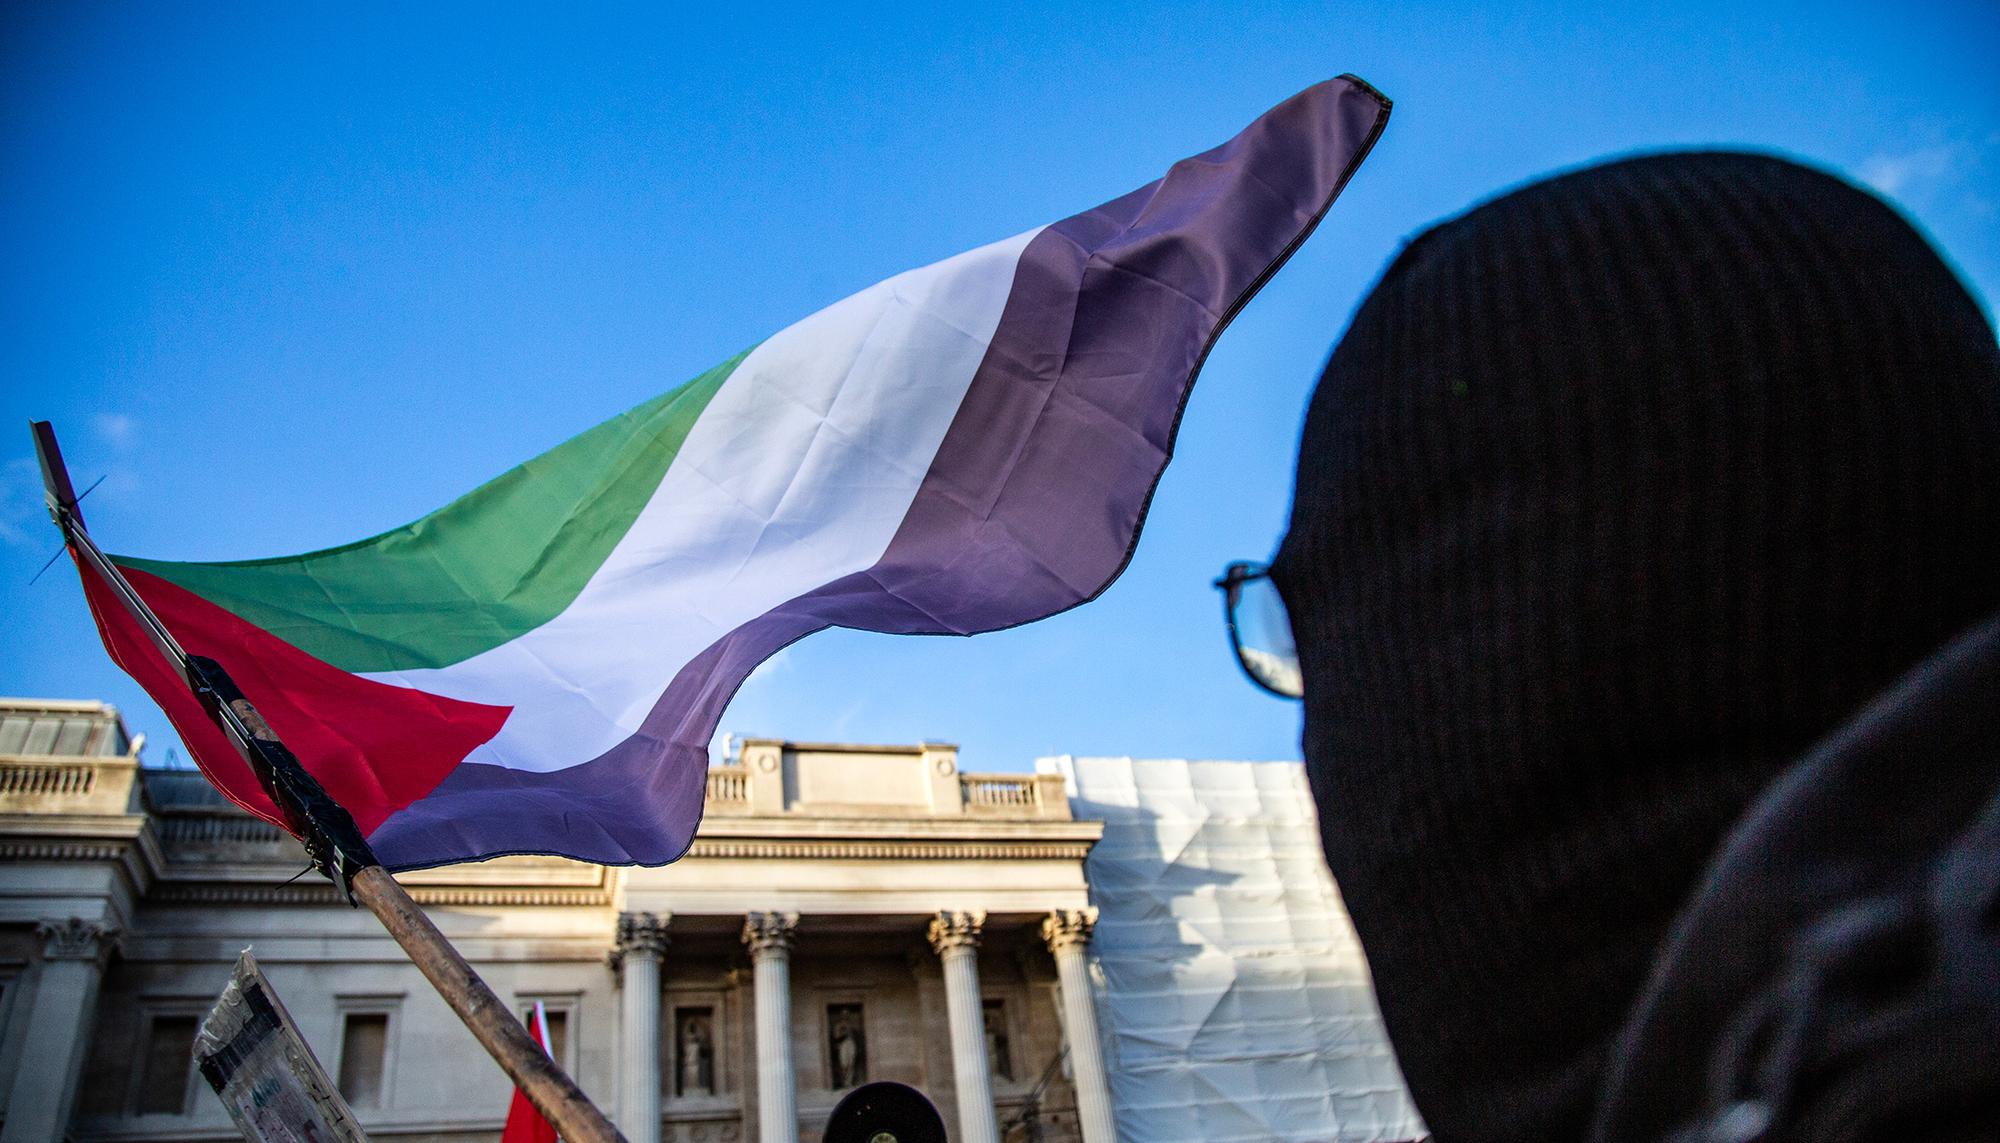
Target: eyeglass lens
column 1264, row 637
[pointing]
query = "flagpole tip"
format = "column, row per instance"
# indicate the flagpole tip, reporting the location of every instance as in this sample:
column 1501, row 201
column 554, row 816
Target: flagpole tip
column 57, row 489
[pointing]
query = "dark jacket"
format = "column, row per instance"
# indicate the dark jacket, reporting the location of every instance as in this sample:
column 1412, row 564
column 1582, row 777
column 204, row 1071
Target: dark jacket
column 1837, row 975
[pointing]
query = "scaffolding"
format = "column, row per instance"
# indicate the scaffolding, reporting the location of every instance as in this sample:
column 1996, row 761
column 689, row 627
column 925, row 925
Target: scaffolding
column 1234, row 998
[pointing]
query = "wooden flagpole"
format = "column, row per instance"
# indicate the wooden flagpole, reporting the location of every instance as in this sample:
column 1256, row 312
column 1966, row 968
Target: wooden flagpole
column 333, row 842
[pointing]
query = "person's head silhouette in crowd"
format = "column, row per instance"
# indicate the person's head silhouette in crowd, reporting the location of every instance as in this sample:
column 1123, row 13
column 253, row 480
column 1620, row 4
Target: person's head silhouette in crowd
column 1621, row 500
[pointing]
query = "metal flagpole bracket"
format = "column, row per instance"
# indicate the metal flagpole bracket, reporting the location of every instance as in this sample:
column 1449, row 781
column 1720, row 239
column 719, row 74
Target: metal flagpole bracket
column 332, row 841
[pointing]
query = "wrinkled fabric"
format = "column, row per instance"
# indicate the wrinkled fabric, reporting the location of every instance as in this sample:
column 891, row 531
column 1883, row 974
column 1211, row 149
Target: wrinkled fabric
column 961, row 448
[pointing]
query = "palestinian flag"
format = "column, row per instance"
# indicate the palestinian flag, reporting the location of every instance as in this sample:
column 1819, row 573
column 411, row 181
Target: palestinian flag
column 538, row 667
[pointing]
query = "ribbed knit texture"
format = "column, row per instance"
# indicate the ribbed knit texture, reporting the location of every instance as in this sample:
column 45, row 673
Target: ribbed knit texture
column 1620, row 491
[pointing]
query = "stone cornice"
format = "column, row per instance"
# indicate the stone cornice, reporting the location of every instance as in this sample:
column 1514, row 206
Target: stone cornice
column 257, row 882
column 78, row 850
column 125, row 840
column 30, row 838
column 807, row 828
column 214, row 893
column 888, row 849
column 72, row 825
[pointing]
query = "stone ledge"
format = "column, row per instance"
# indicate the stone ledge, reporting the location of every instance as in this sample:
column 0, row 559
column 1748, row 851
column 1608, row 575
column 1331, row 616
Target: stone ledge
column 211, row 893
column 945, row 849
column 63, row 850
column 898, row 829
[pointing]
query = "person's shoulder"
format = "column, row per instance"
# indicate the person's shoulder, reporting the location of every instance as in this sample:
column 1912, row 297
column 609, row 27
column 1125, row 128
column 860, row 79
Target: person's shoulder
column 1837, row 974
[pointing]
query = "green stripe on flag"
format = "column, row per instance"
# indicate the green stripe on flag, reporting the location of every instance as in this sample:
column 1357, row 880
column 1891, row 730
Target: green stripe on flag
column 495, row 563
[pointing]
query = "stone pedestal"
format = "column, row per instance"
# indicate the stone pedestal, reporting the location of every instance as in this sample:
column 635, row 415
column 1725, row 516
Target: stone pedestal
column 642, row 942
column 955, row 936
column 769, row 936
column 57, row 1028
column 1067, row 932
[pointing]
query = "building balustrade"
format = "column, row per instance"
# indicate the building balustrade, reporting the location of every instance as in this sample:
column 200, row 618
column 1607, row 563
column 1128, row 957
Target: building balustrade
column 68, row 785
column 56, row 780
column 729, row 784
column 876, row 781
column 998, row 790
column 1014, row 795
column 217, row 829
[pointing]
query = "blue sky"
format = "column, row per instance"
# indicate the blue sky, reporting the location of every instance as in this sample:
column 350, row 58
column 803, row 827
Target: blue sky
column 289, row 275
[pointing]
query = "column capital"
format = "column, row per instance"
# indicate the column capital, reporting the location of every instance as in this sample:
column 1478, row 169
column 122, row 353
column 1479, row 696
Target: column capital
column 769, row 932
column 1065, row 927
column 956, row 928
column 77, row 939
column 639, row 934
column 643, row 933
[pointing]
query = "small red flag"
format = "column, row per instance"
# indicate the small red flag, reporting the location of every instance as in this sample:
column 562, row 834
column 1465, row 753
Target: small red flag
column 524, row 1123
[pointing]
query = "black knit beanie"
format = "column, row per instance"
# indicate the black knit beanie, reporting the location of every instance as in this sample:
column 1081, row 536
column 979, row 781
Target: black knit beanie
column 1620, row 491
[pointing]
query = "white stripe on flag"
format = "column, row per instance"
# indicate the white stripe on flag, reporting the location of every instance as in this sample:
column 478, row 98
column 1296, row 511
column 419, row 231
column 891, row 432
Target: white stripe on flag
column 798, row 473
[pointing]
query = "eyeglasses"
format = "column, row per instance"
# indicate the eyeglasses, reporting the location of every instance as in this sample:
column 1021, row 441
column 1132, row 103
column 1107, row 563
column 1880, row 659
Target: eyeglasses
column 1259, row 629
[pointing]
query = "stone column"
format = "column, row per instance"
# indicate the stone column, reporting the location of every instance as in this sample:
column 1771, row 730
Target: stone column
column 769, row 936
column 57, row 1030
column 642, row 941
column 955, row 936
column 1067, row 932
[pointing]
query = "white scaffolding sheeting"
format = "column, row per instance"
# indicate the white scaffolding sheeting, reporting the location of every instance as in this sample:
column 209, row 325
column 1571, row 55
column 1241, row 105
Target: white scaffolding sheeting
column 1234, row 999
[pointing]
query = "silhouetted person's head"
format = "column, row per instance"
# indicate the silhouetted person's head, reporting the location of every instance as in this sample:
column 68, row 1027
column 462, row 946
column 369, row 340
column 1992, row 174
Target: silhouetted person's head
column 1619, row 493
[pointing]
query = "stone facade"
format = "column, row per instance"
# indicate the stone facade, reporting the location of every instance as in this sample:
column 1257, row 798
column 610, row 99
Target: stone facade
column 846, row 914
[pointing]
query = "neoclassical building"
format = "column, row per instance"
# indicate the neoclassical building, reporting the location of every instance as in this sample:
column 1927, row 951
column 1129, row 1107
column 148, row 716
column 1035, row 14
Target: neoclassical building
column 847, row 914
